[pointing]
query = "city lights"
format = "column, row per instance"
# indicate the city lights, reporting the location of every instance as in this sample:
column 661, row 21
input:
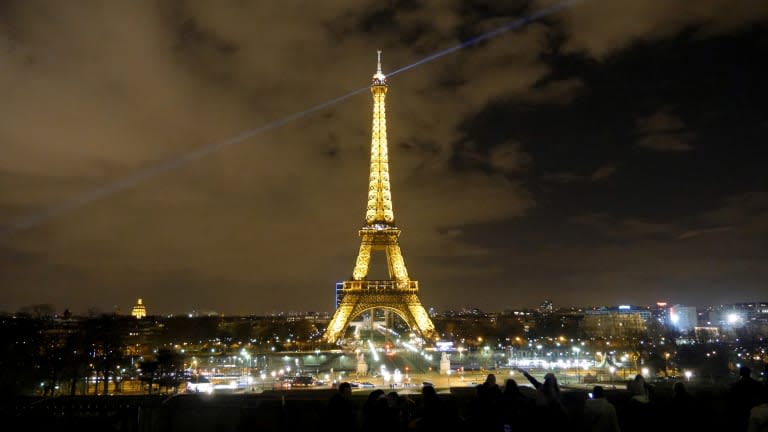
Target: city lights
column 560, row 182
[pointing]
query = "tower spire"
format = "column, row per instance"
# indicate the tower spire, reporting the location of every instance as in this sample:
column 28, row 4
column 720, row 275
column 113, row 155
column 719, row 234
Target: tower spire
column 379, row 78
column 379, row 209
column 380, row 225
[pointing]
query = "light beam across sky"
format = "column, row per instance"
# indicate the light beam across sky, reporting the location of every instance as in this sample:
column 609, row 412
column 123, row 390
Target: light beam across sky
column 605, row 153
column 40, row 217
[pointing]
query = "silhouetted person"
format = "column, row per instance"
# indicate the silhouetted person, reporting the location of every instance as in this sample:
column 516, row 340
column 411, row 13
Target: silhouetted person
column 435, row 414
column 744, row 394
column 680, row 397
column 681, row 413
column 548, row 392
column 639, row 389
column 758, row 415
column 490, row 381
column 371, row 415
column 452, row 421
column 342, row 414
column 514, row 407
column 599, row 414
column 489, row 390
column 429, row 416
column 639, row 411
column 399, row 411
column 487, row 413
column 550, row 414
column 375, row 411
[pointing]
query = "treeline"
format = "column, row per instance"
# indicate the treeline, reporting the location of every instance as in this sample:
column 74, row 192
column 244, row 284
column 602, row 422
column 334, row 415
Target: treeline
column 44, row 353
column 41, row 355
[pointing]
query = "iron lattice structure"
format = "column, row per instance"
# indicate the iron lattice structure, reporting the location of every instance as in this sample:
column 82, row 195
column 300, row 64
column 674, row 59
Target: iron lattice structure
column 398, row 294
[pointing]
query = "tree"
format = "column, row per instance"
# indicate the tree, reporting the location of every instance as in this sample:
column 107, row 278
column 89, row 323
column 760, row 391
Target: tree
column 38, row 311
column 105, row 334
column 20, row 343
column 149, row 372
column 171, row 367
column 52, row 358
column 76, row 360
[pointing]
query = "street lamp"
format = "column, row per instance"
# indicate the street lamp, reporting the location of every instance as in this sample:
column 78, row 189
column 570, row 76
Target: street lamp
column 612, row 370
column 577, row 350
column 666, row 364
column 688, row 375
column 624, row 360
column 247, row 356
column 538, row 351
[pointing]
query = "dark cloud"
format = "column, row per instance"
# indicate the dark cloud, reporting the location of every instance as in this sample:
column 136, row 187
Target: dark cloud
column 604, row 27
column 496, row 150
column 663, row 132
column 603, row 173
column 704, row 231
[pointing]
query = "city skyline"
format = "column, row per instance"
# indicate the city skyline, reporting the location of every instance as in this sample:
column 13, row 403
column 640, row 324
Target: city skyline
column 595, row 156
column 139, row 310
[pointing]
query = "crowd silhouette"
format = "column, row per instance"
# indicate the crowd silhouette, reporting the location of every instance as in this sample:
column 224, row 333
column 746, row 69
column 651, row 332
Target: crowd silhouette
column 548, row 408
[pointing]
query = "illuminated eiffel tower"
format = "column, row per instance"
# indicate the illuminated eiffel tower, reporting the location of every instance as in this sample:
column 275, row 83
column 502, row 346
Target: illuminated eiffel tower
column 398, row 294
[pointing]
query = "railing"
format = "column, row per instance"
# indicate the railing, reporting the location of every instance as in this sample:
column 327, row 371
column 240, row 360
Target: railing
column 381, row 285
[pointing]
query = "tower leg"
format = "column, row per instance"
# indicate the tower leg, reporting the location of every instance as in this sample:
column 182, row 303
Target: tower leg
column 339, row 322
column 363, row 259
column 406, row 307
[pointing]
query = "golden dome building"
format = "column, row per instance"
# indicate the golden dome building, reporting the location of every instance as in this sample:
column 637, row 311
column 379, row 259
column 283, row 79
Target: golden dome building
column 139, row 311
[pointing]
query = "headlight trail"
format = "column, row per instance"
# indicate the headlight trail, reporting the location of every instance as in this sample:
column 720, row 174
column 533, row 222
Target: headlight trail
column 35, row 219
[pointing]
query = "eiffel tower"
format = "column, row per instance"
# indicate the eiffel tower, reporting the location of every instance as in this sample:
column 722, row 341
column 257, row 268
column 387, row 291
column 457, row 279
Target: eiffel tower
column 398, row 293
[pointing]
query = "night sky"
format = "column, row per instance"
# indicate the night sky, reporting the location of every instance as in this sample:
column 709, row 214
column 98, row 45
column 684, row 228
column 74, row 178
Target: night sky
column 612, row 153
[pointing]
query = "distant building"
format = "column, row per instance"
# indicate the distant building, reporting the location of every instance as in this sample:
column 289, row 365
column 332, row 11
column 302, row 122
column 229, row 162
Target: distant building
column 706, row 334
column 739, row 314
column 614, row 325
column 660, row 313
column 139, row 311
column 643, row 312
column 339, row 293
column 683, row 318
column 546, row 307
column 616, row 322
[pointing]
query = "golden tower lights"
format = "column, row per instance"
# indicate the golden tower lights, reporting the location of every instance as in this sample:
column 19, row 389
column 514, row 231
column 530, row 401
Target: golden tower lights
column 398, row 293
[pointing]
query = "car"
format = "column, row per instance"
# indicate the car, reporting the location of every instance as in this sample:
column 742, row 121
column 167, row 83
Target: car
column 303, row 381
column 367, row 385
column 199, row 384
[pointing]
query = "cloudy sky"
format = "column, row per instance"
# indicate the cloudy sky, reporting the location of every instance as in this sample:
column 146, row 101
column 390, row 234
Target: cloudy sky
column 614, row 152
